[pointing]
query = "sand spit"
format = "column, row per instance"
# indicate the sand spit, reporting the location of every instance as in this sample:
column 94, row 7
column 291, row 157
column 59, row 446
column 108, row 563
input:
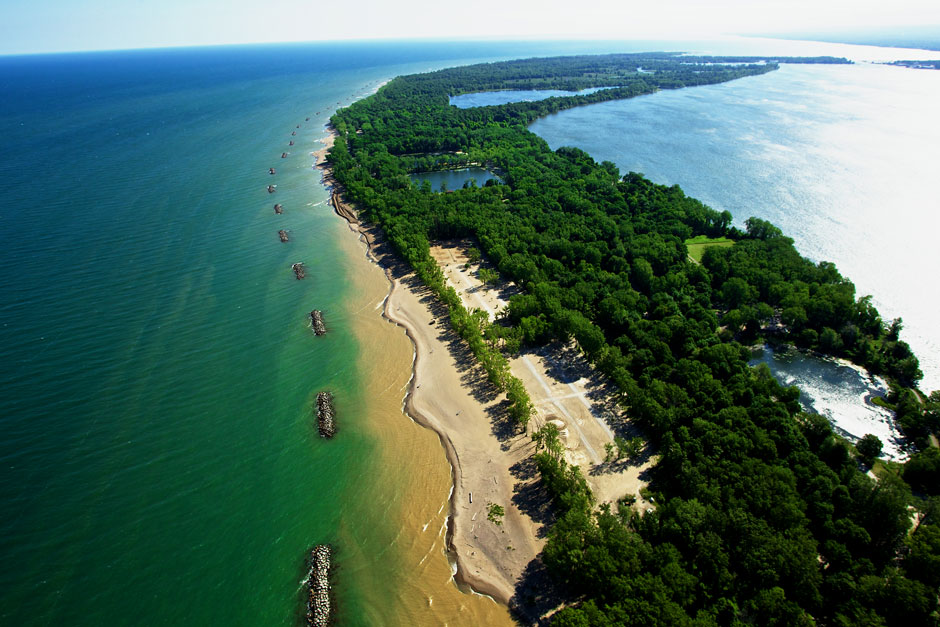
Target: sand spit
column 489, row 456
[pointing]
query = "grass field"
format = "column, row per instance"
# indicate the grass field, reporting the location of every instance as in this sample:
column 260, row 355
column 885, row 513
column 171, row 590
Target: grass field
column 699, row 243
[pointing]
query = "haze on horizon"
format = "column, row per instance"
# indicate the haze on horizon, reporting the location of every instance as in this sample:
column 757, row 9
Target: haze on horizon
column 36, row 26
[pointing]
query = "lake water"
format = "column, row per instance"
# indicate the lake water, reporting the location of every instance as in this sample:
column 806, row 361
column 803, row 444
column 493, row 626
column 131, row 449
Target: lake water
column 842, row 158
column 455, row 179
column 158, row 373
column 839, row 391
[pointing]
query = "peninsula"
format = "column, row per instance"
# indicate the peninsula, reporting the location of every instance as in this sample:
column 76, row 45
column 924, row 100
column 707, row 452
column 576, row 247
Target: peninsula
column 689, row 488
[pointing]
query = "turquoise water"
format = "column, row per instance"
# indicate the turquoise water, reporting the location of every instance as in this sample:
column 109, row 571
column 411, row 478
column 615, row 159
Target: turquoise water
column 843, row 158
column 454, row 179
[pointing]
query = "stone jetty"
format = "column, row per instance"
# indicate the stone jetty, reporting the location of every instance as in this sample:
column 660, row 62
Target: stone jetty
column 318, row 586
column 316, row 321
column 282, row 234
column 325, row 414
column 299, row 270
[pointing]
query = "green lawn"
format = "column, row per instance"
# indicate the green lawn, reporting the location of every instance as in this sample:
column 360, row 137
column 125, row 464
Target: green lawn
column 699, row 243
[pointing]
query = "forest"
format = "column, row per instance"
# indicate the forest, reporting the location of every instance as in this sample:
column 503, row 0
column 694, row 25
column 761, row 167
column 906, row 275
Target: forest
column 763, row 514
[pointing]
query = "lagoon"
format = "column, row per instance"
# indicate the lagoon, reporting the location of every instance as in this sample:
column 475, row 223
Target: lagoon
column 455, row 179
column 838, row 390
column 501, row 97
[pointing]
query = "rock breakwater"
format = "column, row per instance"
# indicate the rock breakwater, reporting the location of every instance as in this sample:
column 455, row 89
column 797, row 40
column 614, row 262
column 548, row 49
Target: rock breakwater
column 316, row 321
column 318, row 586
column 326, row 424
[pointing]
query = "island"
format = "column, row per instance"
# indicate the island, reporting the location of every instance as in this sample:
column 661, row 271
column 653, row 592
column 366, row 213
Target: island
column 638, row 470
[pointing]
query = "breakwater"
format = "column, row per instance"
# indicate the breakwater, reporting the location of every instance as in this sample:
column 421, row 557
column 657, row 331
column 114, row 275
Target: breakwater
column 326, row 424
column 316, row 321
column 318, row 586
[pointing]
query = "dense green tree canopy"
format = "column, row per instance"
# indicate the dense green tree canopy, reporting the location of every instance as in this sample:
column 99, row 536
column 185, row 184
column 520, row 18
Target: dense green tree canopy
column 763, row 516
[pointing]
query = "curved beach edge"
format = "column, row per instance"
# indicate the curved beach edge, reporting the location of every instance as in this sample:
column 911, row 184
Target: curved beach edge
column 479, row 585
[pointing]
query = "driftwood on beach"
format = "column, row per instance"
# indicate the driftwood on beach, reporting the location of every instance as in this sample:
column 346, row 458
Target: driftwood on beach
column 325, row 414
column 343, row 208
column 316, row 321
column 318, row 586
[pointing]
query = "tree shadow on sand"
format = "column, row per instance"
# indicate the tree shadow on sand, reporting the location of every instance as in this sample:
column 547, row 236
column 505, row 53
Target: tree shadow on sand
column 537, row 595
column 531, row 497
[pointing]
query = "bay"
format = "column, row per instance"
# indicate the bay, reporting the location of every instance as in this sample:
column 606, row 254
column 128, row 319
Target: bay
column 840, row 157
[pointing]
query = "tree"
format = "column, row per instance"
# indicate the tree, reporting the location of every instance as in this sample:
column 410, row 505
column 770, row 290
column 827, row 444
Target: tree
column 922, row 471
column 495, row 513
column 869, row 448
column 488, row 276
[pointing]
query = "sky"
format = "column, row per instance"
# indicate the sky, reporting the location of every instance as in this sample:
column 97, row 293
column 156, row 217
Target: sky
column 30, row 26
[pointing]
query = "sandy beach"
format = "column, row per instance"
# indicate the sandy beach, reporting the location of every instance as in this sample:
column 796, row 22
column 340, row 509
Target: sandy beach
column 490, row 457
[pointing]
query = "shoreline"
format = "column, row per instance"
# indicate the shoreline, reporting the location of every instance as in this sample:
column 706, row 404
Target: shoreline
column 489, row 560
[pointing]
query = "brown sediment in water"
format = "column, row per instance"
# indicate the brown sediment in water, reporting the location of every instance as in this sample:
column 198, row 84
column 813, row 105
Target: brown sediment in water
column 490, row 559
column 411, row 492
